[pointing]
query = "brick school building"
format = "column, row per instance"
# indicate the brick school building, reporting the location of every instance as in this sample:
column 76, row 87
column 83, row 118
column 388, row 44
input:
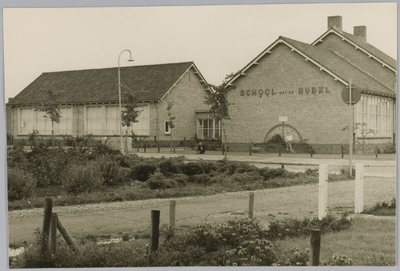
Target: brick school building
column 294, row 89
column 90, row 104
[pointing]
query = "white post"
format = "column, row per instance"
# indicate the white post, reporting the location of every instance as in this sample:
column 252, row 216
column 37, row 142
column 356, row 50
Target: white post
column 359, row 189
column 323, row 191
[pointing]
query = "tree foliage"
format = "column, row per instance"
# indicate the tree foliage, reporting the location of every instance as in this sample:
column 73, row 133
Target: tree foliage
column 50, row 103
column 219, row 102
column 130, row 113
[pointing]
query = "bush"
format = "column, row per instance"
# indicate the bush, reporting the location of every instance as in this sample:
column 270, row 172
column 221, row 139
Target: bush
column 192, row 168
column 158, row 181
column 246, row 177
column 83, row 178
column 169, row 166
column 390, row 148
column 293, row 227
column 109, row 169
column 143, row 170
column 20, row 184
column 201, row 179
column 207, row 166
column 181, row 179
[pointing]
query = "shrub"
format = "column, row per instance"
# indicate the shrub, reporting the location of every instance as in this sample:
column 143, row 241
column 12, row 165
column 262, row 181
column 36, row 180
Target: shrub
column 124, row 174
column 192, row 168
column 169, row 166
column 246, row 177
column 143, row 170
column 181, row 179
column 294, row 257
column 207, row 166
column 390, row 148
column 158, row 181
column 293, row 227
column 20, row 184
column 338, row 260
column 109, row 169
column 220, row 178
column 201, row 179
column 128, row 160
column 83, row 178
column 16, row 157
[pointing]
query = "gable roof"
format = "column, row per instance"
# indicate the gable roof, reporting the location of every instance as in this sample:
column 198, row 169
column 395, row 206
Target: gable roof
column 147, row 82
column 364, row 46
column 329, row 62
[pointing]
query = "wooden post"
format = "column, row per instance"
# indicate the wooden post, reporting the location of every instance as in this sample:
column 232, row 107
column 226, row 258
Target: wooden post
column 138, row 148
column 223, row 149
column 158, row 147
column 359, row 187
column 376, row 152
column 172, row 205
column 311, row 151
column 145, row 146
column 53, row 233
column 282, row 166
column 315, row 244
column 155, row 230
column 48, row 207
column 250, row 149
column 342, row 151
column 174, row 148
column 279, row 150
column 251, row 205
column 322, row 191
column 67, row 236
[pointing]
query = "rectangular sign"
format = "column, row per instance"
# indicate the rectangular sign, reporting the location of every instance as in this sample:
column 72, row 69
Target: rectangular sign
column 283, row 118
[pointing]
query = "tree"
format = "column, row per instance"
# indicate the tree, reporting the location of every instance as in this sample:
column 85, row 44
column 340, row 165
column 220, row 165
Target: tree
column 171, row 119
column 130, row 113
column 219, row 105
column 364, row 131
column 50, row 105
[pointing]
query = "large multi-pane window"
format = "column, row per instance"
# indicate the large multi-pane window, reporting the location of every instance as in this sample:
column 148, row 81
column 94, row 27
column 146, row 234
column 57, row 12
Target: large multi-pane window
column 30, row 119
column 374, row 116
column 105, row 120
column 208, row 128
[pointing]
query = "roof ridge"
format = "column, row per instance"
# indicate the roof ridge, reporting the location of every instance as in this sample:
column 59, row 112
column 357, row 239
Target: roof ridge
column 357, row 67
column 144, row 65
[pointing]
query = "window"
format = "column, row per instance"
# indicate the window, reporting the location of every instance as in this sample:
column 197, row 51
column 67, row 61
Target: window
column 30, row 119
column 375, row 112
column 207, row 128
column 167, row 130
column 105, row 120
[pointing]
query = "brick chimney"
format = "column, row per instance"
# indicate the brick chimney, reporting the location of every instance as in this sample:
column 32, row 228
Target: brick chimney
column 335, row 22
column 361, row 32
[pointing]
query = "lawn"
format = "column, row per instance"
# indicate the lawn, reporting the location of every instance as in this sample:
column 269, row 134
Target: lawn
column 369, row 242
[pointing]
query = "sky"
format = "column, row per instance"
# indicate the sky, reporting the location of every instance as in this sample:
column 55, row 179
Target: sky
column 220, row 39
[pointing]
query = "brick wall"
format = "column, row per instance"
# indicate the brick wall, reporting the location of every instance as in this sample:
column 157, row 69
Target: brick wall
column 319, row 117
column 187, row 96
column 359, row 58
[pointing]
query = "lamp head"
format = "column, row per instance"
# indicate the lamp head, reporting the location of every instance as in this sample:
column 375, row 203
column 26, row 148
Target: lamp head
column 130, row 59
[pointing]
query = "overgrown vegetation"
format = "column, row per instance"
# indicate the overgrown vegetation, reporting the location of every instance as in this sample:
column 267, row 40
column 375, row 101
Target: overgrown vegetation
column 240, row 242
column 102, row 174
column 384, row 209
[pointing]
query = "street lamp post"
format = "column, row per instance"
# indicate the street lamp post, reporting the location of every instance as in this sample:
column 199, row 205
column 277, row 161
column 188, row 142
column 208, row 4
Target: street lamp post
column 120, row 102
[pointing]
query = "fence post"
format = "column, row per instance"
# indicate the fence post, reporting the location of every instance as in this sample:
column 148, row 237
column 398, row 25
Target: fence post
column 251, row 205
column 311, row 151
column 67, row 236
column 223, row 149
column 174, row 148
column 155, row 232
column 359, row 187
column 172, row 205
column 250, row 149
column 376, row 152
column 158, row 147
column 279, row 150
column 145, row 146
column 322, row 191
column 282, row 166
column 342, row 151
column 48, row 207
column 53, row 233
column 315, row 243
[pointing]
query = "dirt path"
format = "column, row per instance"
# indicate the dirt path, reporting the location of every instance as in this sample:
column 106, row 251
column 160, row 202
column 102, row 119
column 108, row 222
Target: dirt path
column 120, row 217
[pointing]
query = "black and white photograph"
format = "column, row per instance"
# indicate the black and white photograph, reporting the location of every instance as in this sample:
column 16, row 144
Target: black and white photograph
column 224, row 135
